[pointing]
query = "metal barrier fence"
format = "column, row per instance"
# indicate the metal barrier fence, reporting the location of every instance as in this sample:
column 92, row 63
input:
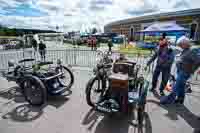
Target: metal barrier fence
column 75, row 57
column 85, row 58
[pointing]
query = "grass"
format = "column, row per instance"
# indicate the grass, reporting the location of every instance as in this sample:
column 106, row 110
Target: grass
column 135, row 50
column 130, row 51
column 8, row 37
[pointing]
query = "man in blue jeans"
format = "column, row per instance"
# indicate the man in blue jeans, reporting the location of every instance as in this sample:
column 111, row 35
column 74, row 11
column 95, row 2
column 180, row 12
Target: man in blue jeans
column 187, row 64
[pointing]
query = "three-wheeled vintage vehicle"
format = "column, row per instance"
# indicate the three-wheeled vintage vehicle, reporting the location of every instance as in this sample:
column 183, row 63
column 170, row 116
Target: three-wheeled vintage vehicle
column 38, row 79
column 124, row 92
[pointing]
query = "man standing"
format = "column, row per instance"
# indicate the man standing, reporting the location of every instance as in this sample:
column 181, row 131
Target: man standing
column 42, row 50
column 94, row 43
column 165, row 58
column 34, row 45
column 187, row 64
column 110, row 45
column 90, row 43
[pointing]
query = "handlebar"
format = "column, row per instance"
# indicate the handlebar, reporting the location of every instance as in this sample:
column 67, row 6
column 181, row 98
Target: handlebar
column 45, row 63
column 109, row 65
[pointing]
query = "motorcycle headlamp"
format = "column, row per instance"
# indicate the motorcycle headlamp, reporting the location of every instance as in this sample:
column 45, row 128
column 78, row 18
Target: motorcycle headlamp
column 98, row 59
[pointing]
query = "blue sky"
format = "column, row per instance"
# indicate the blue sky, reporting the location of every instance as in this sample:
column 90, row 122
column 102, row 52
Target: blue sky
column 81, row 14
column 24, row 10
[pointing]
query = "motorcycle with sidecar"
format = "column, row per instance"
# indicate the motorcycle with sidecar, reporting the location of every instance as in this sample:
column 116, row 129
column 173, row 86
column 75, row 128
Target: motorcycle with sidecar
column 126, row 90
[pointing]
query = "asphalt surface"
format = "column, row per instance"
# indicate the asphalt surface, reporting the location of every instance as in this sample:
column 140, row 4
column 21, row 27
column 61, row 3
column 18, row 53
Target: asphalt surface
column 71, row 114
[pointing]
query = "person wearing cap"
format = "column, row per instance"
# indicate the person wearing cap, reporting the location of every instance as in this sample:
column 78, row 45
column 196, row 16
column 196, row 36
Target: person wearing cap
column 165, row 57
column 186, row 64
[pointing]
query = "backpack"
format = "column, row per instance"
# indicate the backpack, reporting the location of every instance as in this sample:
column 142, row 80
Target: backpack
column 196, row 53
column 196, row 59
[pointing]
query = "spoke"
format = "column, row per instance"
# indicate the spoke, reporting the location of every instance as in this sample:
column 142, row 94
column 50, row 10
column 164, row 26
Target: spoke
column 95, row 95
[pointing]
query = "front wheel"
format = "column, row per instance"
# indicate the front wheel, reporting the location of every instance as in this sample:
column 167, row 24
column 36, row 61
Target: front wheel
column 67, row 78
column 94, row 91
column 34, row 90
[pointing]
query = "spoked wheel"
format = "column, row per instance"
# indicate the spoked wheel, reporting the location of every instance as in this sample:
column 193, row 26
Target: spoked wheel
column 94, row 91
column 34, row 90
column 66, row 79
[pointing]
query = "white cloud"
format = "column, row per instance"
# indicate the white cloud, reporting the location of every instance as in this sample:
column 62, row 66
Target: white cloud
column 81, row 14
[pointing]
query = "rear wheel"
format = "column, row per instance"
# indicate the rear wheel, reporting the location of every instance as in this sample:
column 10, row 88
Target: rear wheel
column 67, row 78
column 34, row 90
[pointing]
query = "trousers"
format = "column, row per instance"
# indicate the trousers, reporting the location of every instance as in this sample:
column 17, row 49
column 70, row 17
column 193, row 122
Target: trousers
column 179, row 87
column 165, row 76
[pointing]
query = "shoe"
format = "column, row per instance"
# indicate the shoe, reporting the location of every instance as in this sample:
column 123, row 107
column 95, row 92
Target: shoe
column 179, row 101
column 162, row 93
column 152, row 90
column 189, row 90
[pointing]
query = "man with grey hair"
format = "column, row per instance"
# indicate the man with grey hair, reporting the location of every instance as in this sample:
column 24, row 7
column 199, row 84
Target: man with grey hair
column 187, row 64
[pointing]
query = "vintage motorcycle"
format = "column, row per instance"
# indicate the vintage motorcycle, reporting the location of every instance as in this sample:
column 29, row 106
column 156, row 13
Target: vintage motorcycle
column 125, row 92
column 36, row 82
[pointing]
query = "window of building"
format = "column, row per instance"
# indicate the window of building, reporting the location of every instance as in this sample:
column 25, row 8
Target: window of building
column 193, row 30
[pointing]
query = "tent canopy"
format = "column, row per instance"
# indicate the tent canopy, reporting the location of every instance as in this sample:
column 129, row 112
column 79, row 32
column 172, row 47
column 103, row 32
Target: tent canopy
column 164, row 27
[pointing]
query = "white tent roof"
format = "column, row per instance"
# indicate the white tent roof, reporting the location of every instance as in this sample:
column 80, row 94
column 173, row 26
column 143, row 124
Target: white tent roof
column 164, row 27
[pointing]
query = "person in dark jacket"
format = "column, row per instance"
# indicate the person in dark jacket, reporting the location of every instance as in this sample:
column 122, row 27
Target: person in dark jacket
column 187, row 64
column 42, row 50
column 165, row 57
column 110, row 45
column 34, row 45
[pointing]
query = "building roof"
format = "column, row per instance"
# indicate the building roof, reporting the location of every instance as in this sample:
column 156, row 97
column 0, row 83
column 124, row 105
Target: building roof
column 189, row 12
